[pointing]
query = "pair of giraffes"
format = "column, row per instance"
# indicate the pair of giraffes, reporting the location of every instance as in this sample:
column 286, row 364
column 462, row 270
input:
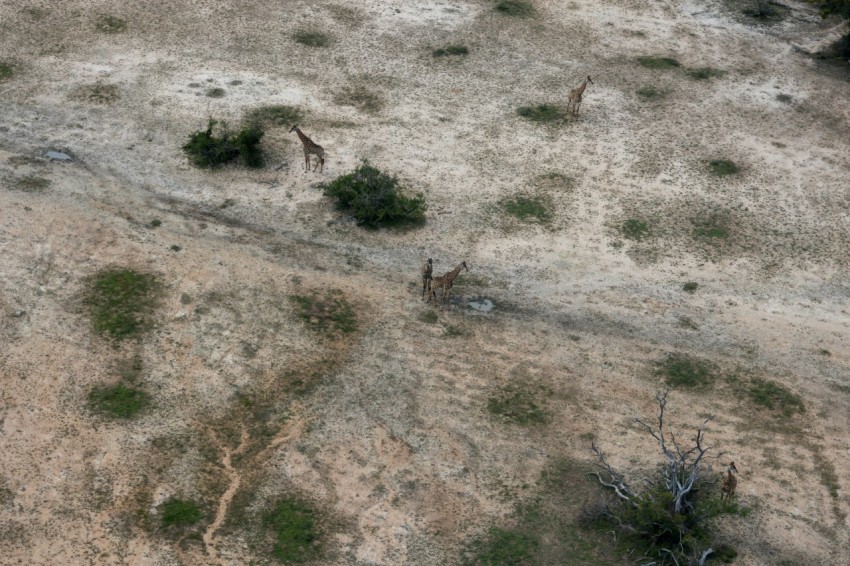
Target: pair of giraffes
column 445, row 282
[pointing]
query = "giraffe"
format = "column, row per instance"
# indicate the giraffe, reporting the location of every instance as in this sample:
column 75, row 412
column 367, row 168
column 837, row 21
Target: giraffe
column 445, row 282
column 730, row 482
column 310, row 147
column 575, row 96
column 427, row 271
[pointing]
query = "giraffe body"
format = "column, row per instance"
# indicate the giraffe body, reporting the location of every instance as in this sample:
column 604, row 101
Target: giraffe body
column 445, row 282
column 427, row 271
column 575, row 97
column 310, row 148
column 730, row 482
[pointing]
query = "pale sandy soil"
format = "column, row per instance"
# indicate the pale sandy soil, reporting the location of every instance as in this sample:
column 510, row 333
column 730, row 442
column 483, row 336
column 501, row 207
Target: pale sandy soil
column 394, row 441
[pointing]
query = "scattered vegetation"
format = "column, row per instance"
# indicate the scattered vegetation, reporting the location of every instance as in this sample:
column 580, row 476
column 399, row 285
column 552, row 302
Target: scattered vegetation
column 516, row 404
column 98, row 93
column 208, row 150
column 216, row 92
column 528, row 208
column 543, row 113
column 516, row 8
column 710, row 228
column 293, row 523
column 274, row 115
column 634, row 229
column 361, row 98
column 775, row 397
column 704, row 73
column 110, row 24
column 503, row 547
column 312, row 38
column 155, row 223
column 722, row 167
column 178, row 513
column 428, row 317
column 374, row 198
column 680, row 370
column 329, row 313
column 451, row 50
column 766, row 11
column 6, row 70
column 648, row 93
column 31, row 184
column 786, row 98
column 660, row 63
column 118, row 401
column 690, row 287
column 120, row 302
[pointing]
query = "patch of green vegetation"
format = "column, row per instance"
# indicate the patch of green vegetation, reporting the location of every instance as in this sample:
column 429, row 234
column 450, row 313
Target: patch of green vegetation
column 120, row 302
column 516, row 404
column 690, row 287
column 451, row 331
column 634, row 229
column 648, row 93
column 680, row 370
column 110, row 24
column 766, row 11
column 31, row 184
column 527, row 208
column 312, row 38
column 775, row 397
column 6, row 70
column 329, row 313
column 786, row 98
column 175, row 248
column 155, row 223
column 827, row 473
column 177, row 513
column 516, row 8
column 824, row 352
column 660, row 63
column 428, row 317
column 216, row 92
column 704, row 73
column 710, row 228
column 361, row 98
column 451, row 50
column 296, row 533
column 542, row 113
column 275, row 115
column 208, row 150
column 722, row 167
column 506, row 548
column 375, row 199
column 118, row 401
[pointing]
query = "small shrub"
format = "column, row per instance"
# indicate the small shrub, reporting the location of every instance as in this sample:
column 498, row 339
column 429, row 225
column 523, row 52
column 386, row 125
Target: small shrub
column 660, row 63
column 704, row 73
column 312, row 38
column 505, row 548
column 516, row 8
column 650, row 93
column 177, row 513
column 711, row 228
column 722, row 167
column 275, row 115
column 118, row 401
column 451, row 50
column 786, row 98
column 773, row 396
column 110, row 24
column 330, row 313
column 375, row 198
column 155, row 223
column 216, row 92
column 690, row 287
column 681, row 370
column 516, row 405
column 31, row 184
column 120, row 302
column 361, row 98
column 542, row 113
column 634, row 229
column 6, row 70
column 428, row 317
column 293, row 523
column 527, row 209
column 208, row 150
column 175, row 248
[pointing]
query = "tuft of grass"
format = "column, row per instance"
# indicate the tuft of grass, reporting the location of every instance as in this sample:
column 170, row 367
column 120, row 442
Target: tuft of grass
column 361, row 98
column 275, row 115
column 31, row 184
column 660, row 63
column 312, row 38
column 110, row 24
column 428, row 317
column 505, row 548
column 451, row 50
column 516, row 405
column 711, row 228
column 680, row 370
column 329, row 313
column 775, row 397
column 722, row 167
column 175, row 248
column 648, row 93
column 515, row 8
column 704, row 73
column 527, row 208
column 118, row 401
column 177, row 513
column 208, row 150
column 6, row 70
column 690, row 287
column 216, row 92
column 634, row 229
column 120, row 302
column 786, row 98
column 374, row 198
column 155, row 223
column 293, row 523
column 542, row 113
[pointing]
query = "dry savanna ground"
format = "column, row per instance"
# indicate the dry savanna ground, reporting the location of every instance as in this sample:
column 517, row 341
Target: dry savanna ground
column 281, row 376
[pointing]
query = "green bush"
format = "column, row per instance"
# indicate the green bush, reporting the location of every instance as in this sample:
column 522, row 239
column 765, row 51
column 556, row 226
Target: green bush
column 179, row 513
column 516, row 8
column 650, row 93
column 690, row 286
column 722, row 167
column 312, row 38
column 661, row 63
column 296, row 534
column 541, row 113
column 773, row 396
column 516, row 405
column 275, row 115
column 120, row 301
column 528, row 209
column 110, row 24
column 451, row 50
column 704, row 73
column 682, row 370
column 505, row 548
column 374, row 198
column 6, row 70
column 634, row 229
column 117, row 401
column 208, row 150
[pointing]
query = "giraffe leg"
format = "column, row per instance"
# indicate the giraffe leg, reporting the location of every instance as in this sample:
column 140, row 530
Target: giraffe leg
column 306, row 161
column 317, row 163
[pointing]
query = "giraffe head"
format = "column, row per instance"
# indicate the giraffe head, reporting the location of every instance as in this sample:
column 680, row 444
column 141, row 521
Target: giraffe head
column 588, row 79
column 732, row 467
column 463, row 263
column 293, row 128
column 430, row 261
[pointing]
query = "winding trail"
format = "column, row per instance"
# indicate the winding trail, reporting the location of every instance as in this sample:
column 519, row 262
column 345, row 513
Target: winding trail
column 226, row 497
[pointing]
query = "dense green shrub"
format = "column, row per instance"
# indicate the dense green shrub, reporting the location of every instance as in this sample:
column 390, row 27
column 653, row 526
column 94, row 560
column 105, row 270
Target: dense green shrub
column 117, row 401
column 179, row 513
column 375, row 198
column 296, row 534
column 208, row 150
column 120, row 301
column 451, row 50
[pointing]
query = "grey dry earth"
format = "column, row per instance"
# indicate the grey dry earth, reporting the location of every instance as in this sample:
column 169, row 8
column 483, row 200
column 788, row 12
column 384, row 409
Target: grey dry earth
column 386, row 430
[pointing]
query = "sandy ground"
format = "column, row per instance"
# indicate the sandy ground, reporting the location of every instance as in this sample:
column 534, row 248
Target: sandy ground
column 393, row 440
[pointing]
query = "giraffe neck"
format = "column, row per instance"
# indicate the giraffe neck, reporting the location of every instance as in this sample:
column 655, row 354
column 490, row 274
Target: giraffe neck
column 304, row 139
column 581, row 87
column 451, row 275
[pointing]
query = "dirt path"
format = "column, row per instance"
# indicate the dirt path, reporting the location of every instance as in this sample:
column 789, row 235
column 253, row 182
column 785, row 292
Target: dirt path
column 226, row 497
